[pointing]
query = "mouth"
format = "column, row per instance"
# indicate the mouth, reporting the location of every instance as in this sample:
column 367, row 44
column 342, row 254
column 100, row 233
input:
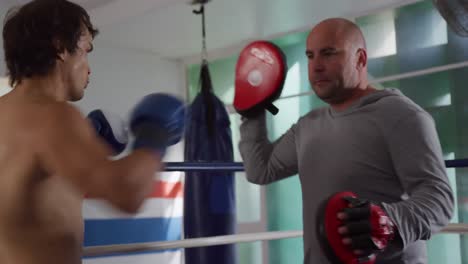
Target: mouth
column 320, row 82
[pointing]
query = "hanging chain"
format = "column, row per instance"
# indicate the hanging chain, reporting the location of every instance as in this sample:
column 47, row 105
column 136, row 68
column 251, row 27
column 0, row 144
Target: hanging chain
column 204, row 54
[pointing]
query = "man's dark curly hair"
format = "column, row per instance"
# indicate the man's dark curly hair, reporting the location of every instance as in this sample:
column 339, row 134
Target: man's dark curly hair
column 36, row 33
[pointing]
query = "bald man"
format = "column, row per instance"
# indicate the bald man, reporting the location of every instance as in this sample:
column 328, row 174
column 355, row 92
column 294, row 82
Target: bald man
column 377, row 143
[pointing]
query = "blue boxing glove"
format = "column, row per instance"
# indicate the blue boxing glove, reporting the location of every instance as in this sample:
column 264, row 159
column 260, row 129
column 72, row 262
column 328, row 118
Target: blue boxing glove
column 158, row 121
column 110, row 128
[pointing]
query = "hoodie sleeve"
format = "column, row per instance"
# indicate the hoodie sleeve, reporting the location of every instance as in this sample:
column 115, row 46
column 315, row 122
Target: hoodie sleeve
column 264, row 161
column 417, row 157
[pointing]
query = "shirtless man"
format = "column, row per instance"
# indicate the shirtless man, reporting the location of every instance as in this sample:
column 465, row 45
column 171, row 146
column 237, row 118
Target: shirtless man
column 50, row 156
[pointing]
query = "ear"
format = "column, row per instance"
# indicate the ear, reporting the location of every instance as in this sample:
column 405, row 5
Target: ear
column 361, row 58
column 62, row 53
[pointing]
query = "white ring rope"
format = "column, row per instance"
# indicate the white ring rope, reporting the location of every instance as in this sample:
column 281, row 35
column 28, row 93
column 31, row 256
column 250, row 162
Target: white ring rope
column 458, row 228
column 216, row 240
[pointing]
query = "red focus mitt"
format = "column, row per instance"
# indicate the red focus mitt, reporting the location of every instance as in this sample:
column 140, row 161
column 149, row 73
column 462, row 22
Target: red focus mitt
column 260, row 74
column 353, row 230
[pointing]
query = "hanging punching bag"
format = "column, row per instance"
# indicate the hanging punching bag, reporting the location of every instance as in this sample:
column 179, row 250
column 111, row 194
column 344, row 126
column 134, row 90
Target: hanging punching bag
column 209, row 197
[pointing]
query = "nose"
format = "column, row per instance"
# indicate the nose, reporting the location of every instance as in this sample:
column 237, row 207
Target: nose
column 316, row 65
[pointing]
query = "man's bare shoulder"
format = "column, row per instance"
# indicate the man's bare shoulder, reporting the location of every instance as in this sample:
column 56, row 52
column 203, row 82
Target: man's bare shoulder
column 63, row 113
column 31, row 113
column 32, row 120
column 64, row 119
column 40, row 123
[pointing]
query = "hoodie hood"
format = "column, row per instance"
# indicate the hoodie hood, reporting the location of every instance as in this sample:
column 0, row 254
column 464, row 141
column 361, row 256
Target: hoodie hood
column 367, row 100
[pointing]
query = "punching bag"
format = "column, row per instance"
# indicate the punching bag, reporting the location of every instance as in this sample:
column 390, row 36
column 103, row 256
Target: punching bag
column 209, row 197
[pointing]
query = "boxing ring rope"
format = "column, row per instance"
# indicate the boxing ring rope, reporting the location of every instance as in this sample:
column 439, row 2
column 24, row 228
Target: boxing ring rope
column 238, row 166
column 189, row 243
column 204, row 166
column 96, row 251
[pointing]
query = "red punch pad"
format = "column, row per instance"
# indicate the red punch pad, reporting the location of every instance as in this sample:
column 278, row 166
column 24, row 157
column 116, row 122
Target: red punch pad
column 260, row 74
column 327, row 231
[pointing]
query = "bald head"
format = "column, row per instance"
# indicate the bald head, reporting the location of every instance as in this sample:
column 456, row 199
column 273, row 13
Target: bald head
column 337, row 60
column 339, row 30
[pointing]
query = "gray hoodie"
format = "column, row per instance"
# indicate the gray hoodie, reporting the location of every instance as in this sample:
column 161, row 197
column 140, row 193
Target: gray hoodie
column 384, row 147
